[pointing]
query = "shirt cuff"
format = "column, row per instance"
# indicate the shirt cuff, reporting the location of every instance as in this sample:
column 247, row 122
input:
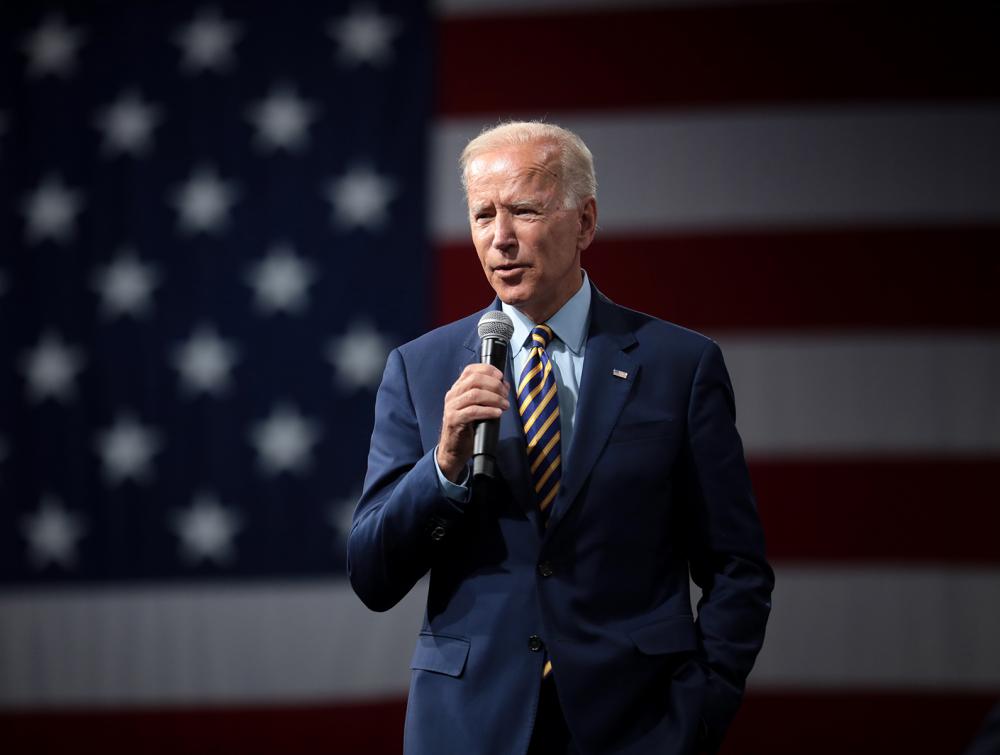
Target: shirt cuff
column 458, row 492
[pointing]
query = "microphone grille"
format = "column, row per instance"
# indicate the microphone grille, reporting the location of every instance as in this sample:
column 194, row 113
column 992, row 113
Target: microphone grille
column 496, row 324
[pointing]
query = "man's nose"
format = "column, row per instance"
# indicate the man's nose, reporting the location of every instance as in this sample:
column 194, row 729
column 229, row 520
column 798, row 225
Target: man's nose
column 504, row 238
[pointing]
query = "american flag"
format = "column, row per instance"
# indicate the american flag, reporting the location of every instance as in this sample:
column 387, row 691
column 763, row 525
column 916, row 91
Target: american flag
column 216, row 218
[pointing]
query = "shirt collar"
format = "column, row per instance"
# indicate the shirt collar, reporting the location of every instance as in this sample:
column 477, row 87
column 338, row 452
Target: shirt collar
column 569, row 323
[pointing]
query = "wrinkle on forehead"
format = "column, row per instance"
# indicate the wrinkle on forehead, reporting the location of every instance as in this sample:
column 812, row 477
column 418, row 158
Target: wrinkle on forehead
column 501, row 173
column 544, row 163
column 481, row 168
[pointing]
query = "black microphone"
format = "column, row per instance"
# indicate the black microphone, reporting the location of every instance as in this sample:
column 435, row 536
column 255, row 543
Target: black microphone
column 495, row 330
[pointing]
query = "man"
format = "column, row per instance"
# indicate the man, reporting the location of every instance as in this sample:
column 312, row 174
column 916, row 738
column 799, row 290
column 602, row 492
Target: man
column 558, row 616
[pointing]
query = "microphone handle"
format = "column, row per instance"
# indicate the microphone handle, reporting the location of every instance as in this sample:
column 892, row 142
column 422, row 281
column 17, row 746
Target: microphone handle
column 484, row 445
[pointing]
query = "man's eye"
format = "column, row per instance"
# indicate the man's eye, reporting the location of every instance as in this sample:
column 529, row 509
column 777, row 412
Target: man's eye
column 525, row 211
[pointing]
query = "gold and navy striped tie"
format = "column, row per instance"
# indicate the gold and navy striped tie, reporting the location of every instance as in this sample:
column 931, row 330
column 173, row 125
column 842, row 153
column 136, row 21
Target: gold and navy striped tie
column 539, row 407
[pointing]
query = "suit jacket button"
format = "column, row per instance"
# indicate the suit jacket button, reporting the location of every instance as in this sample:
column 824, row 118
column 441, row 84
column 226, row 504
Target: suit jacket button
column 535, row 643
column 438, row 533
column 546, row 569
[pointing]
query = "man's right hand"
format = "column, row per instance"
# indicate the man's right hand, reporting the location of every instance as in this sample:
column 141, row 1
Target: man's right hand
column 479, row 393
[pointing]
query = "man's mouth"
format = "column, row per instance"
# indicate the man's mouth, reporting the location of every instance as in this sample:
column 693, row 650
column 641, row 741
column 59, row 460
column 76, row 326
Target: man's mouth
column 509, row 267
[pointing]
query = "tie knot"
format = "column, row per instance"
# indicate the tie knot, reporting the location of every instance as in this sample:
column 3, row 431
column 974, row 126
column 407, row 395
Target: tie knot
column 541, row 335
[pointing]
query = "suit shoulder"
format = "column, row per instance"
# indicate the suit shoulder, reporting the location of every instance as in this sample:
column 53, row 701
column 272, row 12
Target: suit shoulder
column 663, row 333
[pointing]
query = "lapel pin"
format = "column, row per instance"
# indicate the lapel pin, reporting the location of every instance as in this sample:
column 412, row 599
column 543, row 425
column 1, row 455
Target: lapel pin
column 619, row 374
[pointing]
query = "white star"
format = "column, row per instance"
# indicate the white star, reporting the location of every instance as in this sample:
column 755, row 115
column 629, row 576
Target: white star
column 204, row 202
column 364, row 36
column 282, row 120
column 128, row 124
column 51, row 211
column 126, row 285
column 359, row 356
column 281, row 281
column 360, row 198
column 206, row 530
column 50, row 369
column 52, row 533
column 126, row 449
column 207, row 42
column 52, row 47
column 284, row 440
column 205, row 361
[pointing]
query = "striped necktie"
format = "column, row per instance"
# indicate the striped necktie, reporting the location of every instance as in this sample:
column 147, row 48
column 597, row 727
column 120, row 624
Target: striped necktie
column 539, row 407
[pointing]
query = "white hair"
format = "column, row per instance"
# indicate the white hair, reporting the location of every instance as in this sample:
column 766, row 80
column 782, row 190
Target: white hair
column 575, row 162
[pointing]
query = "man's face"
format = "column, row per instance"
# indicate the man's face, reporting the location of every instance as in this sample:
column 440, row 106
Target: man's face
column 529, row 244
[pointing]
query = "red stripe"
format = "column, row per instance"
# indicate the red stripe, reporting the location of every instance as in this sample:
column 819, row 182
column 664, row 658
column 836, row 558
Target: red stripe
column 885, row 278
column 914, row 510
column 372, row 728
column 789, row 723
column 856, row 722
column 716, row 56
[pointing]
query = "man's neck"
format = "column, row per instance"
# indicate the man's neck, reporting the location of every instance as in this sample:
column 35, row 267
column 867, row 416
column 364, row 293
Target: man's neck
column 539, row 317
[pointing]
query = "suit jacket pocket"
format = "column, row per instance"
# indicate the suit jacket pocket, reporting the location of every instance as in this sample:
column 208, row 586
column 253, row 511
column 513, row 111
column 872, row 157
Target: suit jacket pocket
column 672, row 635
column 642, row 431
column 440, row 653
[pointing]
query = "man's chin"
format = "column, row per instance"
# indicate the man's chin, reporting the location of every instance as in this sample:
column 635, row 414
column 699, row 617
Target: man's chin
column 512, row 299
column 514, row 295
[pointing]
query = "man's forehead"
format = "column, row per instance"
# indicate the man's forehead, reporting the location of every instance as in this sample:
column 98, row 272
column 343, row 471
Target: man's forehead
column 523, row 191
column 516, row 161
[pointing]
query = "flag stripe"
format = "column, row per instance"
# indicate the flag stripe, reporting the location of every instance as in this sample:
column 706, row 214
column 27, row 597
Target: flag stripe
column 722, row 55
column 922, row 627
column 223, row 645
column 797, row 721
column 890, row 510
column 720, row 170
column 531, row 8
column 775, row 722
column 884, row 394
column 371, row 727
column 186, row 645
column 781, row 280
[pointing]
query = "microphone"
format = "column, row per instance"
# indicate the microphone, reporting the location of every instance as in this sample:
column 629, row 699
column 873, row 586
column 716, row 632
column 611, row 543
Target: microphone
column 495, row 330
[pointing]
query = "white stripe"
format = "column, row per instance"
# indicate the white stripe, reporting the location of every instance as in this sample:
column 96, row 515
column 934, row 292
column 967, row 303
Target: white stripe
column 875, row 627
column 780, row 166
column 876, row 393
column 190, row 645
column 830, row 627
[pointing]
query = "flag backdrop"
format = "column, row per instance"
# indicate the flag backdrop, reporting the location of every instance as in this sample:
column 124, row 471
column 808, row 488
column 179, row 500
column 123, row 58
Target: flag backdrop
column 215, row 220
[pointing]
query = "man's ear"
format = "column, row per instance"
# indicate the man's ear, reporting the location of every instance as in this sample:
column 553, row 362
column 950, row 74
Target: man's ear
column 588, row 224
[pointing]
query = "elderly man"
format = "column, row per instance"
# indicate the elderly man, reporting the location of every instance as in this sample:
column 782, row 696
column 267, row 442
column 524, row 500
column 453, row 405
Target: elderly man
column 558, row 617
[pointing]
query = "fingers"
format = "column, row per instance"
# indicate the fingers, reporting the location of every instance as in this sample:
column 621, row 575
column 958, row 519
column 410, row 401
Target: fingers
column 469, row 402
column 473, row 406
column 479, row 385
column 483, row 374
column 480, row 393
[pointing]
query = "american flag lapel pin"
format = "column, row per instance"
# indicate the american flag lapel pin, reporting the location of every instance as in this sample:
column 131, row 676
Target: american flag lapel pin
column 620, row 374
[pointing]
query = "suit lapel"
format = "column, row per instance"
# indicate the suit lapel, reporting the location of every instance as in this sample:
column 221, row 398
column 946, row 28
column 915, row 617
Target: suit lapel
column 608, row 374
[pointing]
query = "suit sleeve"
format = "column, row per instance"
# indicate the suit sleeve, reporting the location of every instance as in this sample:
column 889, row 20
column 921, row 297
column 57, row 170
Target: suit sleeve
column 727, row 544
column 403, row 518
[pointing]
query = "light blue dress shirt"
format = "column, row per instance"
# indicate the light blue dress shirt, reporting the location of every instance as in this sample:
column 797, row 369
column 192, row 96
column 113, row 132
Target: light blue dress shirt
column 567, row 349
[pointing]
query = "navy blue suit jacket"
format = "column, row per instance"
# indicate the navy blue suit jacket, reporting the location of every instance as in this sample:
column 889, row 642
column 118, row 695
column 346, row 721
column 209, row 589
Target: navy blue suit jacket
column 654, row 487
